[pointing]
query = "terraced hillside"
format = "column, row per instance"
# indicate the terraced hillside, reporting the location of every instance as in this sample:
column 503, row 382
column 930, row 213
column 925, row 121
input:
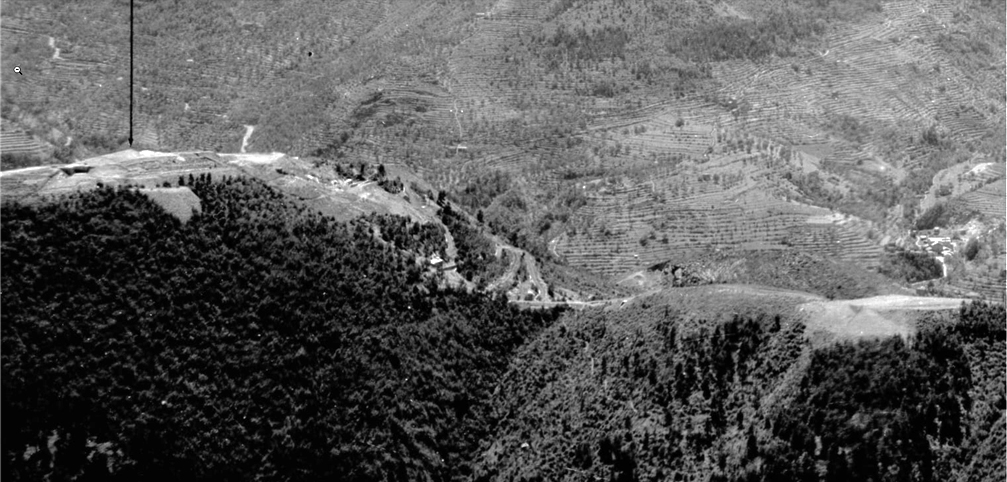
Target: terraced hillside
column 988, row 199
column 818, row 125
column 631, row 132
column 726, row 202
column 202, row 71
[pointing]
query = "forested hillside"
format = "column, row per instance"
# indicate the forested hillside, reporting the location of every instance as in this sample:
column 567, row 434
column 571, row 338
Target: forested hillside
column 261, row 340
column 696, row 182
column 257, row 341
column 650, row 394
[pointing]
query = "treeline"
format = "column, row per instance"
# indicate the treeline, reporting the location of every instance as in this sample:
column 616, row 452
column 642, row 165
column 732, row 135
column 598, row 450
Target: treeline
column 259, row 340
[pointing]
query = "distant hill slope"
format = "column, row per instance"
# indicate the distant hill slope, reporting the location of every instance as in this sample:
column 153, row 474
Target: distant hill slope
column 629, row 132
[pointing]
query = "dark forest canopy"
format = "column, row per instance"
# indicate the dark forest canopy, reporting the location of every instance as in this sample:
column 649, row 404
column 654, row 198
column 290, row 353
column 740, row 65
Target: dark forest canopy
column 638, row 395
column 263, row 341
column 257, row 341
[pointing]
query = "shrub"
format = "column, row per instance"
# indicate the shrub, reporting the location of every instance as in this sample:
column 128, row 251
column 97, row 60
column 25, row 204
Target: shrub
column 910, row 266
column 945, row 214
column 971, row 249
column 18, row 160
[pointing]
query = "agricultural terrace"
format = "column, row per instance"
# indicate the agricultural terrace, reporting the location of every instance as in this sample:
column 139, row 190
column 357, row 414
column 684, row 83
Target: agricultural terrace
column 629, row 132
column 294, row 70
column 723, row 203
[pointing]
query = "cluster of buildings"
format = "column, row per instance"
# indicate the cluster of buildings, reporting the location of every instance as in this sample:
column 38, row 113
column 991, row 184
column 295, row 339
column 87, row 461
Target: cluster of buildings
column 932, row 242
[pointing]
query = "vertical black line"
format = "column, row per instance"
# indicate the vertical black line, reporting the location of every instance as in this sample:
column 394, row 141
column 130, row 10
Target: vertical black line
column 131, row 73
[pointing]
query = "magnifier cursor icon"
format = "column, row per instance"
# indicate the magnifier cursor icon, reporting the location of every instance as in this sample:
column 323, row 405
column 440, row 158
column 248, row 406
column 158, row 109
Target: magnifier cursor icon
column 18, row 70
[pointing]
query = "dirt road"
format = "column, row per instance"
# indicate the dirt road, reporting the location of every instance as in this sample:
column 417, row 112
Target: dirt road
column 826, row 320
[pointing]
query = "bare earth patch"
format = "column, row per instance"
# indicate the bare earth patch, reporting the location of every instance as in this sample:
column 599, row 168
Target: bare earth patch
column 177, row 201
column 877, row 316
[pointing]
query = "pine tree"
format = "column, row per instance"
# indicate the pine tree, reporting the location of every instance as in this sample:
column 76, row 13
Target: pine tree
column 752, row 447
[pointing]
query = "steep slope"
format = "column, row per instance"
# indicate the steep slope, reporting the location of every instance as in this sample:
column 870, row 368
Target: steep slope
column 660, row 391
column 259, row 340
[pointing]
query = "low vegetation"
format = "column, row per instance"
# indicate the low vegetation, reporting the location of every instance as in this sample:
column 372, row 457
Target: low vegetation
column 945, row 214
column 786, row 269
column 910, row 266
column 476, row 258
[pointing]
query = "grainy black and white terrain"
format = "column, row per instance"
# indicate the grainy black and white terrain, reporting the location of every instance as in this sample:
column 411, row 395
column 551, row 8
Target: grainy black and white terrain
column 514, row 240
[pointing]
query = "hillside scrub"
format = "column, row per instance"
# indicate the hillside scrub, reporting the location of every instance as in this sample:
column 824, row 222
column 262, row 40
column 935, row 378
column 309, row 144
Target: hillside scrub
column 476, row 258
column 727, row 39
column 910, row 266
column 582, row 45
column 779, row 32
column 16, row 160
column 945, row 214
column 258, row 341
column 482, row 190
column 791, row 269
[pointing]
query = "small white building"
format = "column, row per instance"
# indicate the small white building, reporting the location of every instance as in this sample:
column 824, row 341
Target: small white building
column 436, row 261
